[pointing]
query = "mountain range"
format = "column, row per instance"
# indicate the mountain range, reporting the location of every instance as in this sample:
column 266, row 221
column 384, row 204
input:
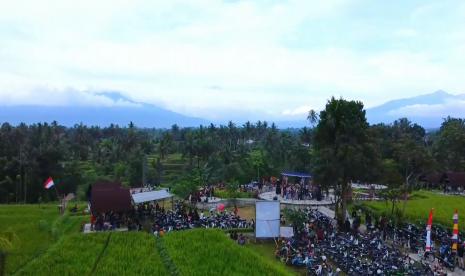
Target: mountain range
column 427, row 110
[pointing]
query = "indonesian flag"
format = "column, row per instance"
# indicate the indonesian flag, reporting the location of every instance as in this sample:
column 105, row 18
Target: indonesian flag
column 48, row 183
column 455, row 231
column 428, row 231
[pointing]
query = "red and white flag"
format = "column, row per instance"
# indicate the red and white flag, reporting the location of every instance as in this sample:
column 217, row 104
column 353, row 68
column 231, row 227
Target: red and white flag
column 428, row 231
column 455, row 231
column 48, row 183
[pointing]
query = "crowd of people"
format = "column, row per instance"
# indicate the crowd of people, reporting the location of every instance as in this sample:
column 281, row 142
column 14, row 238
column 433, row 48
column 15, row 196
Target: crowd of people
column 380, row 249
column 182, row 217
column 204, row 194
column 350, row 251
column 163, row 220
column 113, row 220
column 302, row 190
column 239, row 238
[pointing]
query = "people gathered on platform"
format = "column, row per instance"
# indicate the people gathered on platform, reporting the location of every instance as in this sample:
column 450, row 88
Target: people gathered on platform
column 162, row 220
column 301, row 190
column 181, row 217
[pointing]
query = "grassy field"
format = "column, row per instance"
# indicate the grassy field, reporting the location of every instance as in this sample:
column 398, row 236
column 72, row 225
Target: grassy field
column 74, row 254
column 210, row 252
column 131, row 254
column 49, row 244
column 37, row 227
column 267, row 249
column 418, row 207
column 228, row 194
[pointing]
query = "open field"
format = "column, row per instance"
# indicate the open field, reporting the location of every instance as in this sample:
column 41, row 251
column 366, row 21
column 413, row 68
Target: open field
column 75, row 254
column 267, row 249
column 212, row 253
column 130, row 254
column 36, row 227
column 52, row 245
column 420, row 203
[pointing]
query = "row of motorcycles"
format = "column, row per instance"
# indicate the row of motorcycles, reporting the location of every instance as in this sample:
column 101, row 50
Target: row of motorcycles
column 374, row 252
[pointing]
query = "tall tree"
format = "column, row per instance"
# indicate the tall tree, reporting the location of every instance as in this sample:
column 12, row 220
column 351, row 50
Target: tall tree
column 449, row 147
column 341, row 147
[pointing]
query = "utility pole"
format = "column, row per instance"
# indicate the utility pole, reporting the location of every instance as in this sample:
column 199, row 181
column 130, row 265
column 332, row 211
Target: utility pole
column 144, row 170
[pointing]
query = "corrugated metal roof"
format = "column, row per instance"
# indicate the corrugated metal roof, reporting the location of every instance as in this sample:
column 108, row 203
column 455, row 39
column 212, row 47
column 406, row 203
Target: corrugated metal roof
column 150, row 196
column 296, row 174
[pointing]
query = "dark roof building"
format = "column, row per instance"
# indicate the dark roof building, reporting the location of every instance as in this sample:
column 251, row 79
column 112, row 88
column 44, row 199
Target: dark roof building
column 454, row 179
column 109, row 196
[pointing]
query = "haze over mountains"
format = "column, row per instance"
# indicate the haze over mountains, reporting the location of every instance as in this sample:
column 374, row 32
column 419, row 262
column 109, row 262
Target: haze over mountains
column 427, row 110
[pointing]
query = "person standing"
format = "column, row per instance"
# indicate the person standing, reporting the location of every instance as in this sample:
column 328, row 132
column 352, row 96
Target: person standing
column 460, row 255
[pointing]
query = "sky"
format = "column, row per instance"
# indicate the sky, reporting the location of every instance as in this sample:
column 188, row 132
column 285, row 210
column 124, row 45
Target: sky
column 229, row 59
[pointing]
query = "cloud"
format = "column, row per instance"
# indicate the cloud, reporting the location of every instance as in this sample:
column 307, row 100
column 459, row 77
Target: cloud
column 66, row 97
column 301, row 110
column 217, row 59
column 453, row 108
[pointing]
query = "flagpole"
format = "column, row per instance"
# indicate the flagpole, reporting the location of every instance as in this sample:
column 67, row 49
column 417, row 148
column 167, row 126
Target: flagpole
column 62, row 207
column 428, row 231
column 455, row 231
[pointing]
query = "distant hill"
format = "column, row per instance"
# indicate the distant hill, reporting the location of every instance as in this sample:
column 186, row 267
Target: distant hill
column 427, row 110
column 141, row 114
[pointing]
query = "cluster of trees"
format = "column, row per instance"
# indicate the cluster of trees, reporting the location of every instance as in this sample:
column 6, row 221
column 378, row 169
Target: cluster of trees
column 78, row 156
column 72, row 156
column 346, row 148
column 337, row 147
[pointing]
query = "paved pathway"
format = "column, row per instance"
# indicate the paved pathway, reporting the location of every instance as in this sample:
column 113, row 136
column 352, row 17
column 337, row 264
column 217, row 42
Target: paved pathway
column 271, row 195
column 211, row 199
column 326, row 211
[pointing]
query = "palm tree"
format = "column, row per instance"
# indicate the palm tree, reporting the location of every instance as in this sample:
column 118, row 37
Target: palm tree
column 312, row 117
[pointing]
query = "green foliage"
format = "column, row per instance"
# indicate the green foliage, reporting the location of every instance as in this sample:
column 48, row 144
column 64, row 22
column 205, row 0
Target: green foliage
column 449, row 148
column 419, row 205
column 296, row 218
column 36, row 228
column 215, row 254
column 342, row 151
column 257, row 158
column 130, row 254
column 392, row 195
column 72, row 255
column 7, row 239
column 185, row 187
column 391, row 175
column 232, row 194
column 27, row 222
column 165, row 257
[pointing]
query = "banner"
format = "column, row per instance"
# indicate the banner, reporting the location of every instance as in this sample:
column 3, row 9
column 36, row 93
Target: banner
column 48, row 183
column 428, row 231
column 455, row 231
